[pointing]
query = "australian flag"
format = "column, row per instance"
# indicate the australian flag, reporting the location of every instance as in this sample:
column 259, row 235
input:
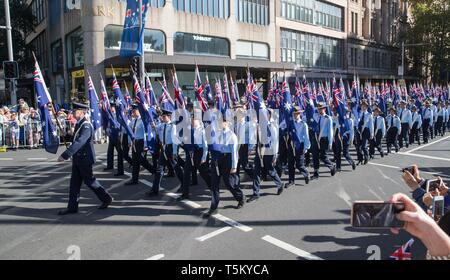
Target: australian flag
column 309, row 107
column 50, row 135
column 120, row 107
column 96, row 117
column 198, row 89
column 107, row 116
column 132, row 35
column 208, row 92
column 150, row 93
column 146, row 114
column 178, row 93
column 166, row 100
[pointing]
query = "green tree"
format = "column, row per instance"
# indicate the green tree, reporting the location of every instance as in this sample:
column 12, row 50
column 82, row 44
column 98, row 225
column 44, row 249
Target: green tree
column 428, row 24
column 22, row 24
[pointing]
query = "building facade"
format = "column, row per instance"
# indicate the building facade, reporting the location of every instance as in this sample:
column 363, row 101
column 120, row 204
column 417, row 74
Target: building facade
column 318, row 38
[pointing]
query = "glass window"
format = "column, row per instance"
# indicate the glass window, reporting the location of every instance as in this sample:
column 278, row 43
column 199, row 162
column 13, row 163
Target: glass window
column 253, row 11
column 57, row 57
column 74, row 44
column 154, row 40
column 199, row 44
column 212, row 8
column 252, row 49
column 325, row 14
column 310, row 50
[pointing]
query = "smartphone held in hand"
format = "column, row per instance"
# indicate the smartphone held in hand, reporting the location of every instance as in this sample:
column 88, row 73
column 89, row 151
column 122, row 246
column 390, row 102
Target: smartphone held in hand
column 438, row 207
column 376, row 214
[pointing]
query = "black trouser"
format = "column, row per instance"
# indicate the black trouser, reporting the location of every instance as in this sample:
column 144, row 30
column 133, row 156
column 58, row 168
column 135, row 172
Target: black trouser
column 414, row 134
column 404, row 135
column 357, row 143
column 267, row 164
column 139, row 160
column 426, row 129
column 126, row 149
column 337, row 149
column 323, row 150
column 243, row 161
column 166, row 158
column 376, row 143
column 391, row 138
column 365, row 137
column 346, row 149
column 194, row 159
column 221, row 167
column 114, row 144
column 440, row 130
column 432, row 129
column 300, row 160
column 286, row 154
column 83, row 173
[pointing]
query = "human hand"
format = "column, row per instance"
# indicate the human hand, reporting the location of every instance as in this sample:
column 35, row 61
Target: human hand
column 410, row 180
column 421, row 225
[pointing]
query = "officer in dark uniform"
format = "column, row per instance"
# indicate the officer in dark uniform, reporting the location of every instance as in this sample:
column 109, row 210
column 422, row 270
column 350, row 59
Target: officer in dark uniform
column 83, row 158
column 113, row 133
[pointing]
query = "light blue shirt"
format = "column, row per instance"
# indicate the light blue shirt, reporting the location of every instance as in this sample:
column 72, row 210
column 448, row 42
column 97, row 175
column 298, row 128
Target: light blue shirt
column 416, row 118
column 351, row 131
column 199, row 141
column 368, row 122
column 326, row 128
column 301, row 130
column 434, row 109
column 427, row 114
column 167, row 138
column 138, row 125
column 405, row 116
column 381, row 126
column 229, row 145
column 395, row 122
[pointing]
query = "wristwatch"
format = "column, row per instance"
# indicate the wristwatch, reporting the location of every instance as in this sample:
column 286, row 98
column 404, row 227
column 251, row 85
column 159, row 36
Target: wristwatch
column 441, row 258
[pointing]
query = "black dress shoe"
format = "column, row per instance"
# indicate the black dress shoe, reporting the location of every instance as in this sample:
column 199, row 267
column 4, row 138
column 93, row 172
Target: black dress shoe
column 183, row 197
column 131, row 183
column 353, row 165
column 290, row 184
column 280, row 189
column 67, row 212
column 366, row 161
column 151, row 193
column 333, row 171
column 119, row 174
column 208, row 214
column 106, row 204
column 107, row 168
column 252, row 198
column 307, row 179
column 240, row 204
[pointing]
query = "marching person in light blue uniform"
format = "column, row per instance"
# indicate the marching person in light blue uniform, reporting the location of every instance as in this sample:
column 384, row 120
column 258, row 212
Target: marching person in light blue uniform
column 393, row 130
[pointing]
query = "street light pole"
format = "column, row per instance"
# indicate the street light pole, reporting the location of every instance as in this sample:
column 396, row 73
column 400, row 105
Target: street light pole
column 403, row 59
column 142, row 58
column 10, row 50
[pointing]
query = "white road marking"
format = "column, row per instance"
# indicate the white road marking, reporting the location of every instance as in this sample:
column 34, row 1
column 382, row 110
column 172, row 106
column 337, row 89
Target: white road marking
column 214, row 233
column 423, row 156
column 5, row 159
column 232, row 223
column 384, row 165
column 426, row 145
column 397, row 167
column 288, row 247
column 155, row 257
column 37, row 159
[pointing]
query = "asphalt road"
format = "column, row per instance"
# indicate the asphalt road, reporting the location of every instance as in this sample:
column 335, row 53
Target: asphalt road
column 305, row 222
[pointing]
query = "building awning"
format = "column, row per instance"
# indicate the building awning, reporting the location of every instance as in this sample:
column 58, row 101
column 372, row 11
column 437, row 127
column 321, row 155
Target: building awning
column 185, row 62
